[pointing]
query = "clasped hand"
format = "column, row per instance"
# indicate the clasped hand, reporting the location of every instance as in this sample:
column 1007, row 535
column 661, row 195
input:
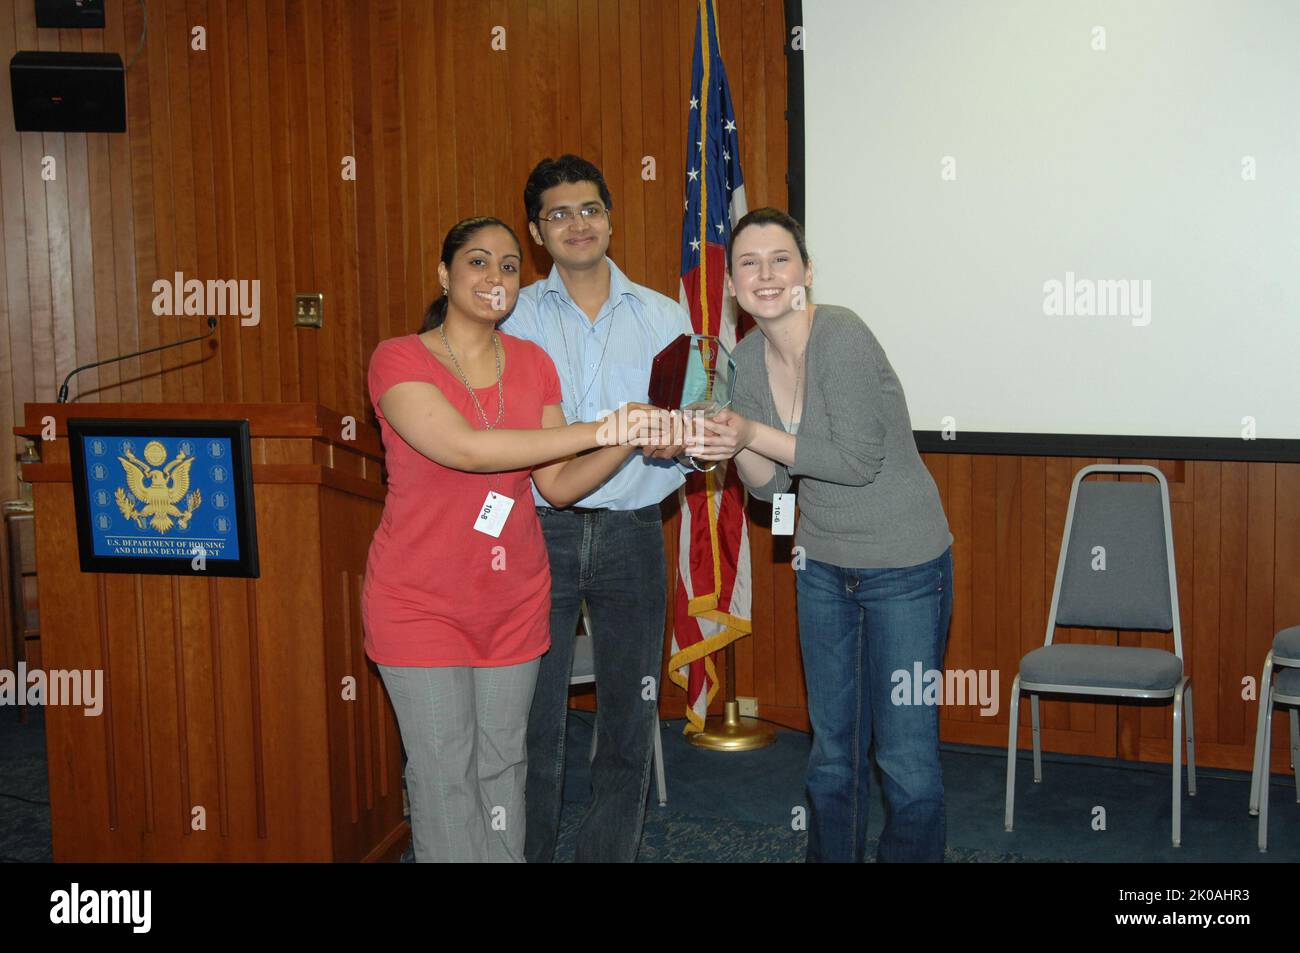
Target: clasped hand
column 641, row 425
column 719, row 436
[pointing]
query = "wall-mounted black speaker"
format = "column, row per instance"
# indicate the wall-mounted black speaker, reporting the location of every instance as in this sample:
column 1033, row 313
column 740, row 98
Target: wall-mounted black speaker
column 70, row 14
column 68, row 92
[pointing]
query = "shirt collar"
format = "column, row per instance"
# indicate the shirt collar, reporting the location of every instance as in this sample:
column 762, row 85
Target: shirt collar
column 619, row 286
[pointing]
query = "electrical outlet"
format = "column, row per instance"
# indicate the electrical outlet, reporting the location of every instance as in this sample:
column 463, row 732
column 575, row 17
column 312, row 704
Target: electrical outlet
column 748, row 707
column 309, row 310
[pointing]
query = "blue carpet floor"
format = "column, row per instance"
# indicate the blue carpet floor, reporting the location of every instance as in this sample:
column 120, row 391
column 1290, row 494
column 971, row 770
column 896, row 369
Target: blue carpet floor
column 1054, row 819
column 24, row 789
column 739, row 806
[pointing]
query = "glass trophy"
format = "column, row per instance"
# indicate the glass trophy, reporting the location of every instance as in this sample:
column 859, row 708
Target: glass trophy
column 694, row 374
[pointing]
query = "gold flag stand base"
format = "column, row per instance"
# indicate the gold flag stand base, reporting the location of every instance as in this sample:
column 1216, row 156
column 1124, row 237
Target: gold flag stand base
column 729, row 731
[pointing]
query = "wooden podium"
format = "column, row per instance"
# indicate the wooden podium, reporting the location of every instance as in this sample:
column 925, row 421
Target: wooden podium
column 225, row 733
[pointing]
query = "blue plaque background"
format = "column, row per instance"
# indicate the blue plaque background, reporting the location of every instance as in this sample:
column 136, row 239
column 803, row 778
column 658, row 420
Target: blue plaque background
column 212, row 529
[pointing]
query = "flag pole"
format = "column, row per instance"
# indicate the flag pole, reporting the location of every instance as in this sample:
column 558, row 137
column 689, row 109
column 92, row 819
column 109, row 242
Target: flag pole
column 714, row 583
column 729, row 731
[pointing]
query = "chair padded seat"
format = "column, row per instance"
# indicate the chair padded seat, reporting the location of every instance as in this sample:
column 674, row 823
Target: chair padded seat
column 1102, row 666
column 1287, row 681
column 1287, row 642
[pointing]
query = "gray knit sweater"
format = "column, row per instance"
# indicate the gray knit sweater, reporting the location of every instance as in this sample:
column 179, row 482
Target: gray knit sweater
column 865, row 498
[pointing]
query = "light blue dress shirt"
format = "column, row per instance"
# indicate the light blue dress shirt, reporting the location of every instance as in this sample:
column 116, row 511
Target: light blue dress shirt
column 603, row 364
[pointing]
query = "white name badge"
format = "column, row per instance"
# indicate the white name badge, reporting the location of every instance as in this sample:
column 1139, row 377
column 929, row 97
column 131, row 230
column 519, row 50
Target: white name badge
column 492, row 515
column 783, row 514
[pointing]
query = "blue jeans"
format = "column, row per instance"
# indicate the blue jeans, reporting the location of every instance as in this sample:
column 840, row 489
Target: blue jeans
column 856, row 628
column 615, row 561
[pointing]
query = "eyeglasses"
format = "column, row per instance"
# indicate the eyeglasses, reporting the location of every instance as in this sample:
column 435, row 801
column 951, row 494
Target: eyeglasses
column 566, row 216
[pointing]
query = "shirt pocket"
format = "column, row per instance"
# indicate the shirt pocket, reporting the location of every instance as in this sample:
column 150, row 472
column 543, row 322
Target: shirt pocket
column 627, row 383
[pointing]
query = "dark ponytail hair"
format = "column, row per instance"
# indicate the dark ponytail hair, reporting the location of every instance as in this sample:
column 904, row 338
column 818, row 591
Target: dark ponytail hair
column 770, row 216
column 457, row 238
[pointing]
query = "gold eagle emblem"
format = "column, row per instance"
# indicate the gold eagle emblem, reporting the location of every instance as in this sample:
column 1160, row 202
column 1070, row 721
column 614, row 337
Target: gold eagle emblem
column 158, row 489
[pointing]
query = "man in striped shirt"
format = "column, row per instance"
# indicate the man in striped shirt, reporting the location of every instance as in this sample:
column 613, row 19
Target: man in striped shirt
column 602, row 331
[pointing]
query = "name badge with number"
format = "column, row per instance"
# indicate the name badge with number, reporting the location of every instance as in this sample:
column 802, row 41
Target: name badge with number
column 492, row 515
column 783, row 514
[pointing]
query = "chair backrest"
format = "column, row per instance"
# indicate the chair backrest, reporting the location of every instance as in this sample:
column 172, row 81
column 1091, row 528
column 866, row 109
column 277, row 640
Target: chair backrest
column 1116, row 569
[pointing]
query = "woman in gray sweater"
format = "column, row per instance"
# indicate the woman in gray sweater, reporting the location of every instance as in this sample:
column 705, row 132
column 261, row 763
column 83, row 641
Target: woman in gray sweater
column 816, row 398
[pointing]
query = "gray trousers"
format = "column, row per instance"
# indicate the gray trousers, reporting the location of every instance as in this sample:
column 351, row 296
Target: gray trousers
column 464, row 730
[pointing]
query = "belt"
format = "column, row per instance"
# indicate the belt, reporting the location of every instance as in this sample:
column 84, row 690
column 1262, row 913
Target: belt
column 586, row 510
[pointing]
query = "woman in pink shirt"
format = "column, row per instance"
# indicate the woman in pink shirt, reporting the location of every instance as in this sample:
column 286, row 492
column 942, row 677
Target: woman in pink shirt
column 456, row 602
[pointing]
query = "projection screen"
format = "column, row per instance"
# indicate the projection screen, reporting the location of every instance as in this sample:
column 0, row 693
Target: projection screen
column 1064, row 216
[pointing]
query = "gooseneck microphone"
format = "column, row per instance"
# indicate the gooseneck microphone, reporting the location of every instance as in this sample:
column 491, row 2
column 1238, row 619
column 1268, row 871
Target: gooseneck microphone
column 63, row 391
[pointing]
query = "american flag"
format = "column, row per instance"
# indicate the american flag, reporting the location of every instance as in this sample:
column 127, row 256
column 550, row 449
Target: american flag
column 712, row 602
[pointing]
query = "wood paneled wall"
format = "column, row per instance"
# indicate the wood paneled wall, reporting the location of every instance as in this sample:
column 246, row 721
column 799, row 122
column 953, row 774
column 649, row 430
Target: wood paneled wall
column 1236, row 529
column 232, row 169
column 1237, row 555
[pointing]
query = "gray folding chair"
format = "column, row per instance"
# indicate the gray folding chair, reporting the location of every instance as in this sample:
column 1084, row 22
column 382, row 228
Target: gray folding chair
column 584, row 673
column 1284, row 690
column 1116, row 571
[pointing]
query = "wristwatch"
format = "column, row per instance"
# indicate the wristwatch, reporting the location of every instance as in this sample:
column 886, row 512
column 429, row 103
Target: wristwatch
column 690, row 462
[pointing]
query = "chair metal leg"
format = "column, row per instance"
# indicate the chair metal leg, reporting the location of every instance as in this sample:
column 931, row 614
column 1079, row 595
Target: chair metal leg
column 1007, row 817
column 1259, row 768
column 1295, row 750
column 1293, row 737
column 594, row 721
column 1038, row 745
column 660, row 781
column 1267, row 702
column 1178, row 765
column 1191, row 741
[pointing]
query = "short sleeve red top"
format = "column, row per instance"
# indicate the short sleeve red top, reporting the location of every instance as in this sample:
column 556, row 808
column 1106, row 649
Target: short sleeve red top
column 437, row 591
